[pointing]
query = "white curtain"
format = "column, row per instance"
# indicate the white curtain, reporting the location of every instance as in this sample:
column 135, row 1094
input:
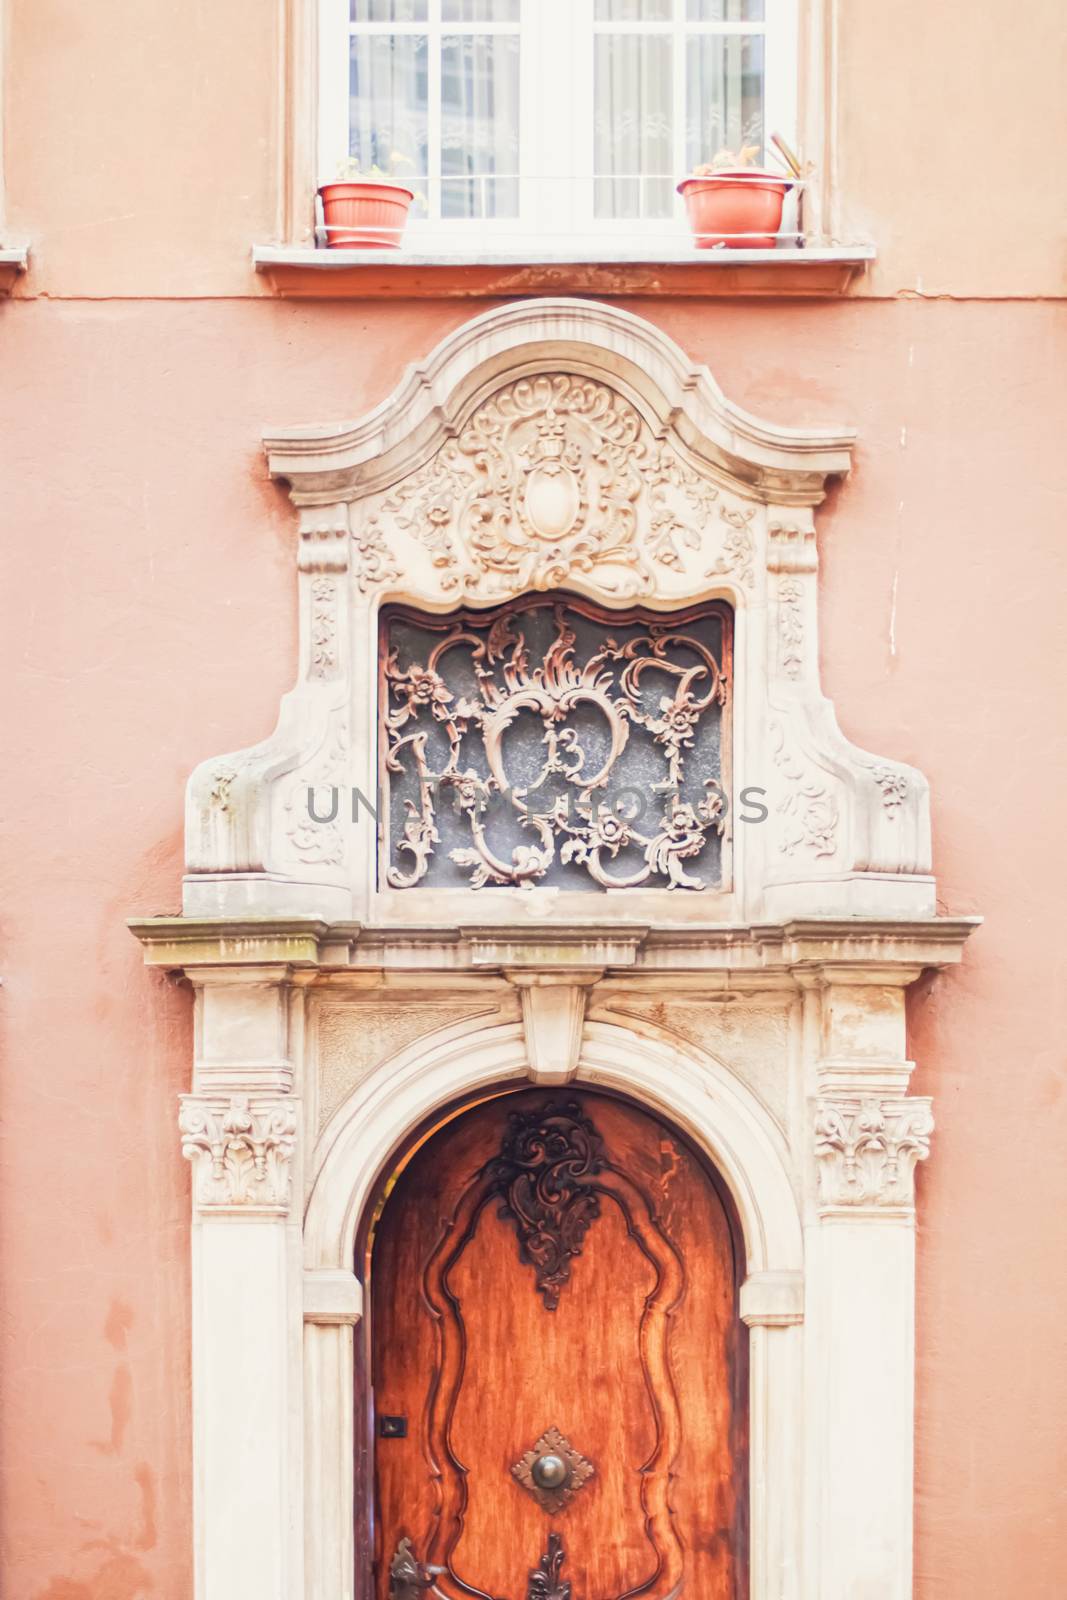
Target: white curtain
column 468, row 165
column 638, row 143
column 480, row 124
column 388, row 122
column 643, row 143
column 633, row 125
column 724, row 95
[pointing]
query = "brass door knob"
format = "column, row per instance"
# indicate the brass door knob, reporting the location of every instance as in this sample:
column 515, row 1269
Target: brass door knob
column 550, row 1472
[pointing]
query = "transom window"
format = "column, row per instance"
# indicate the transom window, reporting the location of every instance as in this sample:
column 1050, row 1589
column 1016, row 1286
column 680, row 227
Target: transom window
column 549, row 741
column 551, row 117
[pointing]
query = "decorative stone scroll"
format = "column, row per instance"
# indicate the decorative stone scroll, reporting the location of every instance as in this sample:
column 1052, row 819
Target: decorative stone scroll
column 588, row 745
column 241, row 1150
column 867, row 1150
column 565, row 450
column 557, row 475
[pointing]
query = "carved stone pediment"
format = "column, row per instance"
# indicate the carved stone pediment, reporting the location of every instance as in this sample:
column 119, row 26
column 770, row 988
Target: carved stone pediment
column 568, row 447
column 557, row 477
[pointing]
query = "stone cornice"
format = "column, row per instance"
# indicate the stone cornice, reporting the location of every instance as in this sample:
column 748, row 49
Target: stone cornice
column 818, row 271
column 180, row 943
column 346, row 461
column 811, row 951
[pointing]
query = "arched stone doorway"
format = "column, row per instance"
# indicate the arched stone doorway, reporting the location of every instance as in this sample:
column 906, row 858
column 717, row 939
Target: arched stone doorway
column 702, row 1103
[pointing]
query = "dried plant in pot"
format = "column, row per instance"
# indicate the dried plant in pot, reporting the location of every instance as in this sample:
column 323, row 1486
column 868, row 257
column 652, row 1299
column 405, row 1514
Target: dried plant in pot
column 730, row 201
column 366, row 208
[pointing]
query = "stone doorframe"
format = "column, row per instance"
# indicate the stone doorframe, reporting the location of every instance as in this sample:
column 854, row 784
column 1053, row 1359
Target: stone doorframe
column 780, row 1052
column 766, row 1017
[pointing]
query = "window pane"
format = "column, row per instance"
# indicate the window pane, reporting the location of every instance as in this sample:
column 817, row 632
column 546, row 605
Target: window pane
column 387, row 106
column 634, row 10
column 480, row 11
column 480, row 125
column 389, row 10
column 632, row 125
column 726, row 10
column 724, row 95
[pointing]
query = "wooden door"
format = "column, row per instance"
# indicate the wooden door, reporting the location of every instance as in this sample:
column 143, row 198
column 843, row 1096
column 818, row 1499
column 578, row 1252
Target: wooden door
column 557, row 1362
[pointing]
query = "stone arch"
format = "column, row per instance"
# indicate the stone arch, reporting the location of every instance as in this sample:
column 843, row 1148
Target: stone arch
column 707, row 1101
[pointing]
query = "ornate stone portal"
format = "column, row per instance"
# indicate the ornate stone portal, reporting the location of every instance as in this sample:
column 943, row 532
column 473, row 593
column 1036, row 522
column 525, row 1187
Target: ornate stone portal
column 389, row 905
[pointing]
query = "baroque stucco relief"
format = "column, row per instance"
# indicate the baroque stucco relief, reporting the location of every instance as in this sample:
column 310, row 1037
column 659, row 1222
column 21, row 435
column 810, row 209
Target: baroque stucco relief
column 559, row 447
column 556, row 448
column 556, row 477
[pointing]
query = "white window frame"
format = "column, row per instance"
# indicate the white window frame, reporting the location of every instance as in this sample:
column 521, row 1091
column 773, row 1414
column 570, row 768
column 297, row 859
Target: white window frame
column 556, row 130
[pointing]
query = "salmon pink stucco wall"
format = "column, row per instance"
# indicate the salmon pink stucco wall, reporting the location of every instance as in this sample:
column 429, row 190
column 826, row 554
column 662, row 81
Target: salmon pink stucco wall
column 146, row 146
column 148, row 569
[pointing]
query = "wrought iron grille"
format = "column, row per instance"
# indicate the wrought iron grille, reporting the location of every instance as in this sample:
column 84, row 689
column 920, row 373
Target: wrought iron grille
column 549, row 741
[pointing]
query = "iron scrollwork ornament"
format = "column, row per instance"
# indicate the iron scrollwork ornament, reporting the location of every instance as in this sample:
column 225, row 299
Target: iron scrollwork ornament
column 575, row 747
column 544, row 1173
column 545, row 1580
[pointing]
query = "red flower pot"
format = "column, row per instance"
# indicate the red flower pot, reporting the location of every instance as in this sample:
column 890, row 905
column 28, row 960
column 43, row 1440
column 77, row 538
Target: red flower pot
column 740, row 207
column 365, row 215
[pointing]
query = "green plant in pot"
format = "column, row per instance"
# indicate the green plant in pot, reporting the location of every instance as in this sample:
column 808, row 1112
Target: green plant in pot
column 732, row 202
column 366, row 208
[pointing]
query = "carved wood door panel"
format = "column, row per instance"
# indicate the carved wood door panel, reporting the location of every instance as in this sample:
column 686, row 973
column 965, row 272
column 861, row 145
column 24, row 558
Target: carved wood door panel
column 558, row 1365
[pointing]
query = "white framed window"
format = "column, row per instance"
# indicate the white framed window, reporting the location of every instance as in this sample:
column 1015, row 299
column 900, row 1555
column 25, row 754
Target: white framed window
column 551, row 118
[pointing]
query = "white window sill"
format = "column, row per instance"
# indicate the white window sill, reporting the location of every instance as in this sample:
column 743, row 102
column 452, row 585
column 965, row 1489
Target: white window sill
column 13, row 261
column 614, row 268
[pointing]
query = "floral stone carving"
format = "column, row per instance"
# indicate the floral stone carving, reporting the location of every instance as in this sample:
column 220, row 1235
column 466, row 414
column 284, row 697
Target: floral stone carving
column 560, row 446
column 553, row 742
column 867, row 1150
column 555, row 476
column 808, row 808
column 241, row 1150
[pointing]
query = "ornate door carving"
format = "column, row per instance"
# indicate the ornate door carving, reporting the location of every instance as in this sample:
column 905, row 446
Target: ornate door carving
column 557, row 1361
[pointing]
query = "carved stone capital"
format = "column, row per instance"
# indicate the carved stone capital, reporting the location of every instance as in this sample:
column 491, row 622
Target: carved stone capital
column 241, row 1149
column 867, row 1150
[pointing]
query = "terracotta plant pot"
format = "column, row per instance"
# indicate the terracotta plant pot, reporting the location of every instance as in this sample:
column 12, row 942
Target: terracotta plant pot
column 740, row 207
column 367, row 214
